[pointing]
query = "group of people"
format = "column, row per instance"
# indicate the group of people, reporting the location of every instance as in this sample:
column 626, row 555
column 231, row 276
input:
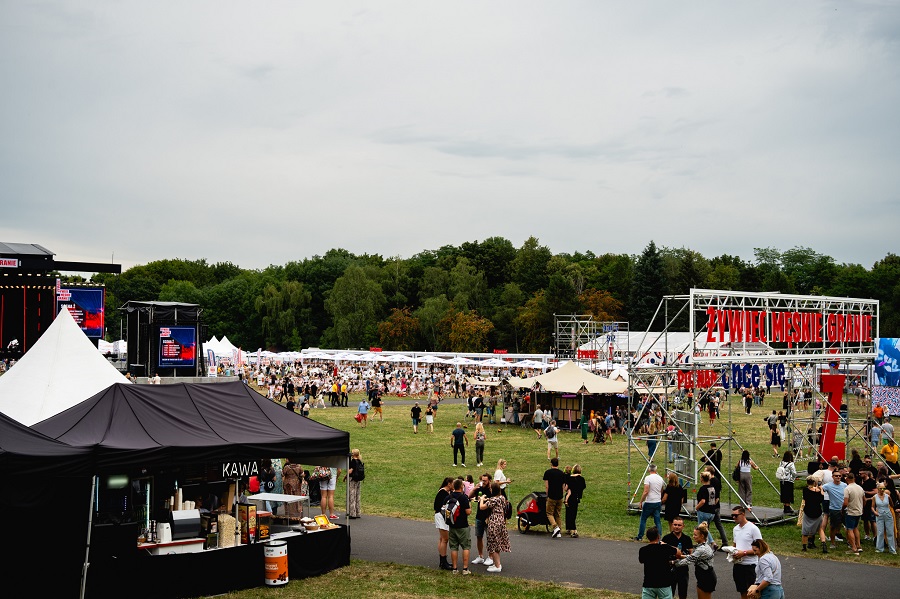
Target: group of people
column 756, row 571
column 491, row 505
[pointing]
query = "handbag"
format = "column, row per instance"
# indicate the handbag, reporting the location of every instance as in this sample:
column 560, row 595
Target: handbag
column 507, row 510
column 736, row 473
column 358, row 417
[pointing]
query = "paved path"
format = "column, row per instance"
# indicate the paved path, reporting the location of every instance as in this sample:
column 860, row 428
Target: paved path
column 595, row 563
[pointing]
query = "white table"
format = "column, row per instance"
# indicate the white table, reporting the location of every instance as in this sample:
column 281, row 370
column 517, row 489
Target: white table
column 280, row 498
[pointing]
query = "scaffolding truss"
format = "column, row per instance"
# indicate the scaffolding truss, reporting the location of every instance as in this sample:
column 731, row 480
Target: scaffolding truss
column 754, row 339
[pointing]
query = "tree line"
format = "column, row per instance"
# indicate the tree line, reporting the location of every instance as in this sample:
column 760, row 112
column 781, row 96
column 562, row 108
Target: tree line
column 475, row 297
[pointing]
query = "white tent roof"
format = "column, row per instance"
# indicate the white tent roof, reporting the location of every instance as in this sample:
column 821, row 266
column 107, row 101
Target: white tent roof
column 570, row 378
column 62, row 369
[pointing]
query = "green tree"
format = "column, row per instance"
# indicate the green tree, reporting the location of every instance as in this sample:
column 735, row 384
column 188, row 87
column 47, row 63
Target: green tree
column 354, row 303
column 180, row 291
column 467, row 286
column 646, row 288
column 535, row 321
column 529, row 267
column 430, row 314
column 283, row 307
column 507, row 304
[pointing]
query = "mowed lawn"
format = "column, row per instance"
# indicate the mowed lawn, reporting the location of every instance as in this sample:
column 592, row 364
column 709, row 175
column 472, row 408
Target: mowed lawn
column 404, row 470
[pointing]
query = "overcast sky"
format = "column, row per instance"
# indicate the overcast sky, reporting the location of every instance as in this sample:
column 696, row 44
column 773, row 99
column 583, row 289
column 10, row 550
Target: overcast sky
column 265, row 132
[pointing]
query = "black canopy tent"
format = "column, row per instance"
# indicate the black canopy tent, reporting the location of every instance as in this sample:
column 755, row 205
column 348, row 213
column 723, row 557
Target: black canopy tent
column 128, row 427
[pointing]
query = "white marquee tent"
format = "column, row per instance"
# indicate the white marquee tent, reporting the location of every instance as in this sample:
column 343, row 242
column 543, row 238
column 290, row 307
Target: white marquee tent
column 62, row 369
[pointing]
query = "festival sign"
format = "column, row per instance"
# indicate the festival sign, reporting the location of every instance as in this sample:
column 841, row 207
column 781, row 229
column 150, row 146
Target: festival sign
column 799, row 327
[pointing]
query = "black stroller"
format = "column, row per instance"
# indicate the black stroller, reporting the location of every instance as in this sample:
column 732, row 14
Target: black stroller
column 532, row 511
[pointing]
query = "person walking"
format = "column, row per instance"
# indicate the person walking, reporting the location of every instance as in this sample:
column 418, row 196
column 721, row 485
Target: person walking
column 554, row 479
column 459, row 439
column 497, row 535
column 429, row 419
column 651, row 500
column 703, row 558
column 574, row 489
column 363, row 411
column 480, row 438
column 552, row 434
column 416, row 414
column 673, row 499
column 768, row 573
column 811, row 524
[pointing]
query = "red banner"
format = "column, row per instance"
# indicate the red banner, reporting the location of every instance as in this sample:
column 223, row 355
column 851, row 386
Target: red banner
column 587, row 354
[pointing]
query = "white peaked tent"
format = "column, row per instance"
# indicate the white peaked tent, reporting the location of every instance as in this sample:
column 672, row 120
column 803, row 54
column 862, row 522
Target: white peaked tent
column 571, row 378
column 62, row 369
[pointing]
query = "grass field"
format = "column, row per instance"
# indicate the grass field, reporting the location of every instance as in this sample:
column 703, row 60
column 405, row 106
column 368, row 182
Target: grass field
column 404, row 470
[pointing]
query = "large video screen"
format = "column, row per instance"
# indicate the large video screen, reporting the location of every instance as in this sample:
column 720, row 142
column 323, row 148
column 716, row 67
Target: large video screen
column 887, row 362
column 86, row 305
column 177, row 347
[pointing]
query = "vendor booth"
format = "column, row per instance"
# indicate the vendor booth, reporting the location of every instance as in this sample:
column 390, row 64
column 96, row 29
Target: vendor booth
column 149, row 444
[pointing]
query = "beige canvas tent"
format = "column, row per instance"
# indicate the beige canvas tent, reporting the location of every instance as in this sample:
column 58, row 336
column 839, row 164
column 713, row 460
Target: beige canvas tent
column 571, row 378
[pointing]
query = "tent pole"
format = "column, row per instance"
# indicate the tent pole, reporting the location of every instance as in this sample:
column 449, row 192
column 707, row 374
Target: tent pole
column 87, row 548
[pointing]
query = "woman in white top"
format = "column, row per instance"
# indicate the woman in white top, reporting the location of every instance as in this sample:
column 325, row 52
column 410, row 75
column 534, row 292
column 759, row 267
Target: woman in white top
column 500, row 477
column 745, row 484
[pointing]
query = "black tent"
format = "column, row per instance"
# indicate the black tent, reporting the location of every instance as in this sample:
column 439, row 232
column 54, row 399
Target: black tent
column 128, row 427
column 168, row 425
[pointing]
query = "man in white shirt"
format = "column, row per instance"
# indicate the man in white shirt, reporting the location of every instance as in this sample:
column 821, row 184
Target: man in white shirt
column 745, row 560
column 651, row 500
column 537, row 421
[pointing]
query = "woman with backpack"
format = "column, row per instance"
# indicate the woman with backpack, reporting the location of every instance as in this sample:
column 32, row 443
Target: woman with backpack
column 786, row 473
column 356, row 473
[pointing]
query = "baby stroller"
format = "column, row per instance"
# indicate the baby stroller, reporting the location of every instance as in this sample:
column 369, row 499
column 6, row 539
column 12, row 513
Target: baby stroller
column 532, row 511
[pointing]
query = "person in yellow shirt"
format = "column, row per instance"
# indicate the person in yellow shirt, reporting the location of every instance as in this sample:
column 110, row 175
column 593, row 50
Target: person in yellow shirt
column 344, row 395
column 891, row 455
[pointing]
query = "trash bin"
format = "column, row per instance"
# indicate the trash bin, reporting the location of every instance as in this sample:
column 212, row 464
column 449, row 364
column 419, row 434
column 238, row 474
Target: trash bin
column 276, row 563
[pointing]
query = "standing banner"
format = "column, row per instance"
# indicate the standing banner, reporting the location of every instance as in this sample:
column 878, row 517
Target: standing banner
column 211, row 367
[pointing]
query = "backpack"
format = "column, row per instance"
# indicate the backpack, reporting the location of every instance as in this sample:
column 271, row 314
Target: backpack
column 359, row 473
column 450, row 510
column 550, row 432
column 781, row 472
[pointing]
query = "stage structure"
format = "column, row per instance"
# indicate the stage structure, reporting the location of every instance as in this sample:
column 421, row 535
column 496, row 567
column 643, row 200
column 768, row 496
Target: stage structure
column 747, row 340
column 581, row 338
column 164, row 338
column 31, row 294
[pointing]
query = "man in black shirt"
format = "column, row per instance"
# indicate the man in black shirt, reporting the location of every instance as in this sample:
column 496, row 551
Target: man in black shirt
column 459, row 537
column 481, row 517
column 714, row 456
column 685, row 544
column 416, row 414
column 554, row 479
column 657, row 559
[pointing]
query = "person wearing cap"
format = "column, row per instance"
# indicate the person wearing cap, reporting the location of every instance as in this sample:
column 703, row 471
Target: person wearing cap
column 416, row 415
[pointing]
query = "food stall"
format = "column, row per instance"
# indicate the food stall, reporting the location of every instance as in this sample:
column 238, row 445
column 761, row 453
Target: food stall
column 152, row 448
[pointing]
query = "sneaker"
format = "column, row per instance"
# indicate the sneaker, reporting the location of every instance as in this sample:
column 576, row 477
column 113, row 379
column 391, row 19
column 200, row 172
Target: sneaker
column 638, row 539
column 446, row 566
column 466, row 572
column 495, row 569
column 454, row 465
column 804, row 548
column 454, row 570
column 556, row 533
column 488, row 562
column 574, row 535
column 463, row 465
column 833, row 546
column 478, row 560
column 334, row 516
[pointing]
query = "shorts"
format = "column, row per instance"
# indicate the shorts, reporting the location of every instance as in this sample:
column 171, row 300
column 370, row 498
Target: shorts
column 460, row 538
column 429, row 420
column 554, row 442
column 706, row 579
column 439, row 522
column 851, row 522
column 328, row 484
column 377, row 410
column 835, row 519
column 480, row 528
column 415, row 421
column 743, row 576
column 537, row 426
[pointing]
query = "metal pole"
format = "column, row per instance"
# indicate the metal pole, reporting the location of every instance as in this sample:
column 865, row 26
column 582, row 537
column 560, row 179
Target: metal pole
column 87, row 548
